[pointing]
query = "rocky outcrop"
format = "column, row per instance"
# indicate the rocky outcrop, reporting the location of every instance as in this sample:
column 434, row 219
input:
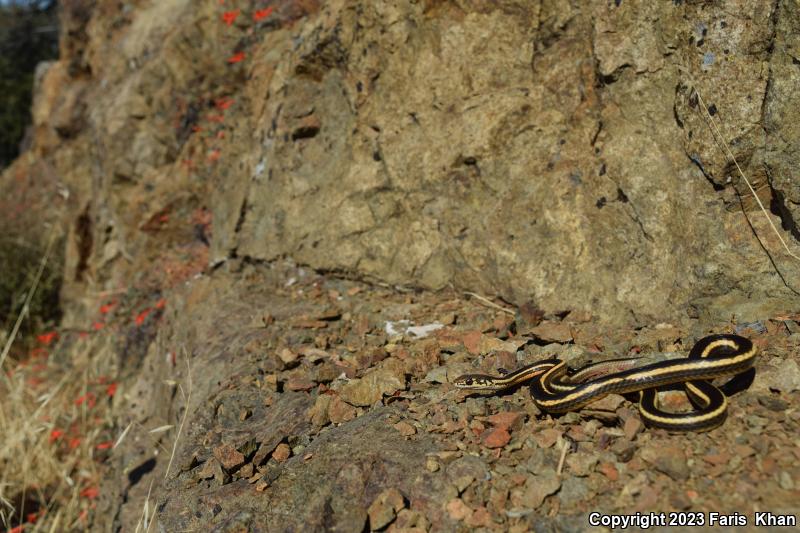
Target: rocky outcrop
column 542, row 152
column 558, row 155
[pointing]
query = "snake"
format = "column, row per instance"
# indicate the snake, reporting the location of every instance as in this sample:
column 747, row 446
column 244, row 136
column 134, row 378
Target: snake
column 556, row 389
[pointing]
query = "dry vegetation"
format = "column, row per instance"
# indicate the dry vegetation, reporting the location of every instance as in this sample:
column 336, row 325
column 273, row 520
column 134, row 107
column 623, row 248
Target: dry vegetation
column 55, row 414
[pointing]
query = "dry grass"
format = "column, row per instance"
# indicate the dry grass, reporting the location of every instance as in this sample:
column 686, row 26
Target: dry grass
column 52, row 421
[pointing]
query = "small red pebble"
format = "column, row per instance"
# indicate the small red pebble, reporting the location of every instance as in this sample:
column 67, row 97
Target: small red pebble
column 496, row 438
column 609, row 470
column 471, row 341
column 505, row 419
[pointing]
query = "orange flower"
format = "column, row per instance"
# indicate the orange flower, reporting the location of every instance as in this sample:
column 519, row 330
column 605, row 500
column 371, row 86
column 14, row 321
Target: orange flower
column 262, row 13
column 236, row 58
column 229, row 16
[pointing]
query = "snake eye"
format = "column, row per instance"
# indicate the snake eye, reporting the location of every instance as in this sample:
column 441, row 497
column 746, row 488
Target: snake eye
column 468, row 381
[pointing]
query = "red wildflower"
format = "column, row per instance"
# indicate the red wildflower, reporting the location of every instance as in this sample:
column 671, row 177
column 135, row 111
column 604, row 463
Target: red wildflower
column 38, row 352
column 229, row 16
column 89, row 398
column 56, row 434
column 18, row 529
column 107, row 307
column 262, row 13
column 214, row 155
column 74, row 442
column 111, row 390
column 161, row 303
column 223, row 103
column 236, row 58
column 90, row 492
column 98, row 326
column 105, row 445
column 141, row 317
column 47, row 338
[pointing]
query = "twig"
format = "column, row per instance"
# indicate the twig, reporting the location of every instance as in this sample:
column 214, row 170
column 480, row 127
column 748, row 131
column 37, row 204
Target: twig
column 183, row 418
column 490, row 303
column 563, row 458
column 730, row 155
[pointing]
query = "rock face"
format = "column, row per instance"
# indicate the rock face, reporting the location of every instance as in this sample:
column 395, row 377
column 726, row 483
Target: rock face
column 563, row 157
column 541, row 151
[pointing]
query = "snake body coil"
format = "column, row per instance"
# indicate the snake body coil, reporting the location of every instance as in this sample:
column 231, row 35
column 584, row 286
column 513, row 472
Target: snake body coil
column 554, row 391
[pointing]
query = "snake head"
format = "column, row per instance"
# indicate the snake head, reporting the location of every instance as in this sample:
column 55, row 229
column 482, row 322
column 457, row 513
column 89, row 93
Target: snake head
column 473, row 382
